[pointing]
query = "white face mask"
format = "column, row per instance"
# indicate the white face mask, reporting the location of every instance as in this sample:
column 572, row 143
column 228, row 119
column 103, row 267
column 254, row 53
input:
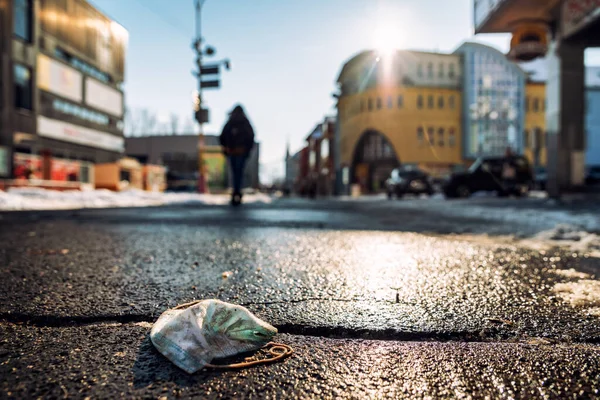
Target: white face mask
column 192, row 337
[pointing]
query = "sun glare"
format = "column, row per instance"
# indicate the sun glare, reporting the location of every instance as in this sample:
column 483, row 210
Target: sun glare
column 387, row 39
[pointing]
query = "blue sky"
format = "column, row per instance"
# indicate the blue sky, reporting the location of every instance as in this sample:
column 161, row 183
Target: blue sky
column 285, row 55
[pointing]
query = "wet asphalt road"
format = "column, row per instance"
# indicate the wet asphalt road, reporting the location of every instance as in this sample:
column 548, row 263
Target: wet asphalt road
column 377, row 300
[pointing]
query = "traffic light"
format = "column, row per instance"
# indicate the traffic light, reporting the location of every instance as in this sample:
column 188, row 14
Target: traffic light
column 201, row 115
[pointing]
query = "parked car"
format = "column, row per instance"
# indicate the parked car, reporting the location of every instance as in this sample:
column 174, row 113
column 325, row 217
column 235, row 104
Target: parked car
column 404, row 181
column 540, row 176
column 487, row 174
column 592, row 175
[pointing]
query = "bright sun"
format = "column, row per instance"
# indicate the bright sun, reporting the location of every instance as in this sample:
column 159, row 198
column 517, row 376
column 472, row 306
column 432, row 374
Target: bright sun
column 387, row 39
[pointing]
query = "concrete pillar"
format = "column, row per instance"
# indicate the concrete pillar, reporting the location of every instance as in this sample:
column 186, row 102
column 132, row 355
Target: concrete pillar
column 565, row 117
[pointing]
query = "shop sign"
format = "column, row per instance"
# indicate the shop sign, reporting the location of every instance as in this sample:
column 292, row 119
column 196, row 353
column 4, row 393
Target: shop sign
column 578, row 13
column 529, row 41
column 215, row 168
column 57, row 78
column 59, row 130
column 103, row 97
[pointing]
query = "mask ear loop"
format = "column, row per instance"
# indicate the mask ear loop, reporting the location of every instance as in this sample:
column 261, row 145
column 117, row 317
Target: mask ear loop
column 186, row 305
column 279, row 351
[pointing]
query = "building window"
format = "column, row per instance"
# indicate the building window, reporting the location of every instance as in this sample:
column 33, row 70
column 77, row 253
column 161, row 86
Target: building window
column 390, row 102
column 451, row 138
column 441, row 102
column 22, row 19
column 526, row 103
column 379, row 103
column 400, row 101
column 420, row 70
column 431, row 136
column 536, row 104
column 527, row 139
column 451, row 102
column 441, row 137
column 430, row 70
column 420, row 101
column 430, row 101
column 420, row 135
column 370, row 104
column 441, row 70
column 22, row 87
column 451, row 72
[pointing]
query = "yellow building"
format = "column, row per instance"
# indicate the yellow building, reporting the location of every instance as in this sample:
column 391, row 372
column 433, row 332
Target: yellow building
column 399, row 109
column 535, row 123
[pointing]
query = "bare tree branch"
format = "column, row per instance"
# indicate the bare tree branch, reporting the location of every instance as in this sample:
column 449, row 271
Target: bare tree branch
column 148, row 122
column 188, row 127
column 174, row 124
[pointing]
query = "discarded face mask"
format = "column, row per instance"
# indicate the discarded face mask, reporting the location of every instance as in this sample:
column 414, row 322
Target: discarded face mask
column 192, row 335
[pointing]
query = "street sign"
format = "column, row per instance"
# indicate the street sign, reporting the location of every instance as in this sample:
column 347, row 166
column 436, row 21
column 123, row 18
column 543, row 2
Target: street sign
column 201, row 115
column 210, row 84
column 209, row 70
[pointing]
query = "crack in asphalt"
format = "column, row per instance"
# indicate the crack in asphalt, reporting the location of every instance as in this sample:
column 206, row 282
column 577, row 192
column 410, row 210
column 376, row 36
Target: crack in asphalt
column 54, row 321
column 484, row 335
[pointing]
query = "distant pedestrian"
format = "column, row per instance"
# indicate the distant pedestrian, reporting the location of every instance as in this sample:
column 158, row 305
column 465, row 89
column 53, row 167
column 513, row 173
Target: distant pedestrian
column 237, row 140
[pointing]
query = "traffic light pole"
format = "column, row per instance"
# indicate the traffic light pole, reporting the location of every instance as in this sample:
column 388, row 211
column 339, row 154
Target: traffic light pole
column 202, row 184
column 211, row 70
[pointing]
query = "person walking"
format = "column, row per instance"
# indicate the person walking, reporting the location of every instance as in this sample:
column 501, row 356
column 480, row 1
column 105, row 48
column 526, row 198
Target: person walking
column 237, row 139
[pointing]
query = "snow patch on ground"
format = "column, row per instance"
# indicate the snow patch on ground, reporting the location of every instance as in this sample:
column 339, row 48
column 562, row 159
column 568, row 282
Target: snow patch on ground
column 42, row 199
column 571, row 273
column 571, row 237
column 526, row 220
column 581, row 293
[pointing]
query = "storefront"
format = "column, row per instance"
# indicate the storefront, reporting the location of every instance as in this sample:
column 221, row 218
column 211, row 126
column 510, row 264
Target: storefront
column 46, row 171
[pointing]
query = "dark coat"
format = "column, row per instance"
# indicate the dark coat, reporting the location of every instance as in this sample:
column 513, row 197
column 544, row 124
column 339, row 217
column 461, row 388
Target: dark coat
column 237, row 137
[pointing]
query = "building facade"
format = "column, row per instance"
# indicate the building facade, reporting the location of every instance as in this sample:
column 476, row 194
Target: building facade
column 61, row 103
column 179, row 154
column 441, row 111
column 400, row 108
column 292, row 171
column 320, row 177
column 534, row 140
column 493, row 109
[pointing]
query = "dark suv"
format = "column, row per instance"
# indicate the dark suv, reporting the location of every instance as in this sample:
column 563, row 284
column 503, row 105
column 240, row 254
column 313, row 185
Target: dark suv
column 504, row 175
column 408, row 181
column 592, row 175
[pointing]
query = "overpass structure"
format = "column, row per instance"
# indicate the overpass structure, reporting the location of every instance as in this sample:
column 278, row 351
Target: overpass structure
column 560, row 31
